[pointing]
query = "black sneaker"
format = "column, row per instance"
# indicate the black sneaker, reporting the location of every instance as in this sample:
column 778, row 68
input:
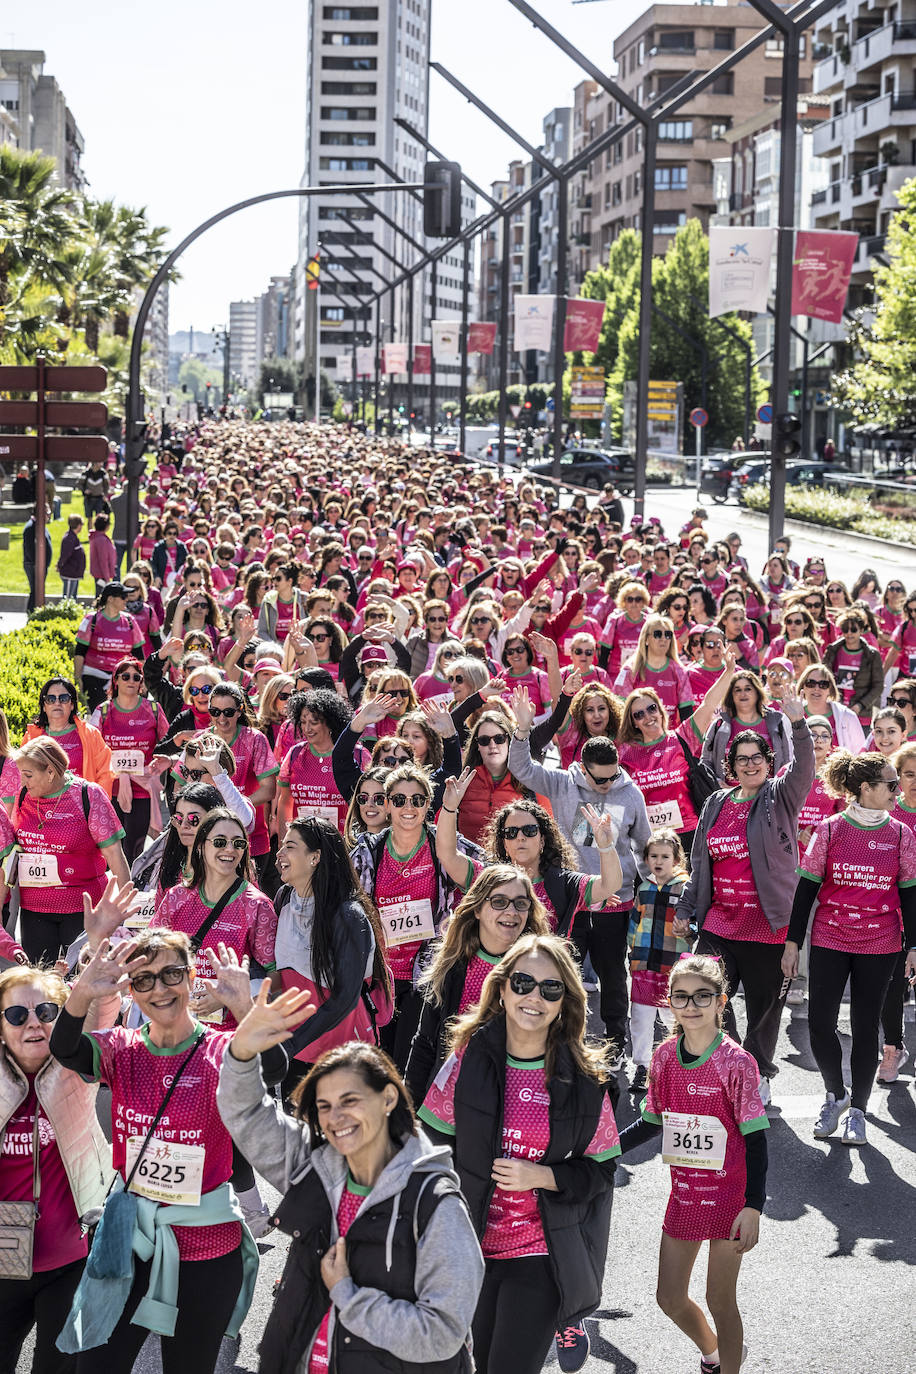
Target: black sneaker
column 572, row 1347
column 640, row 1080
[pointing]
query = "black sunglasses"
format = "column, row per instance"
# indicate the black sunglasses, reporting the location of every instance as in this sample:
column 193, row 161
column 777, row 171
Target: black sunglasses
column 370, row 798
column 456, row 679
column 400, row 800
column 662, row 634
column 203, row 691
column 484, row 740
column 45, row 1011
column 130, row 677
column 224, row 842
column 169, row 977
column 191, row 774
column 650, row 710
column 512, row 832
column 817, row 682
column 550, row 989
column 228, row 711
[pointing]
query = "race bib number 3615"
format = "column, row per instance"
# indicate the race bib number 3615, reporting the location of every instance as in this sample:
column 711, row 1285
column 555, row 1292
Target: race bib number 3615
column 693, row 1142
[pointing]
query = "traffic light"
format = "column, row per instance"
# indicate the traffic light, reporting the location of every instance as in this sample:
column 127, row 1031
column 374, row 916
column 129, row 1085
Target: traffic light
column 786, row 441
column 527, row 405
column 442, row 200
column 400, row 410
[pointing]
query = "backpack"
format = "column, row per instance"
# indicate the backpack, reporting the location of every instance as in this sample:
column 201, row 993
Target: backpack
column 701, row 780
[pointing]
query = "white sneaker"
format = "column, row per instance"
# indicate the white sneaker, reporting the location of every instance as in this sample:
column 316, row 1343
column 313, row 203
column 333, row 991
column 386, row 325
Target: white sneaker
column 795, row 997
column 830, row 1115
column 854, row 1127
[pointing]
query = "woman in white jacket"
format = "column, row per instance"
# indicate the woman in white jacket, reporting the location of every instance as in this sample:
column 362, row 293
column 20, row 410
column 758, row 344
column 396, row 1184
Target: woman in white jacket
column 74, row 1169
column 818, row 690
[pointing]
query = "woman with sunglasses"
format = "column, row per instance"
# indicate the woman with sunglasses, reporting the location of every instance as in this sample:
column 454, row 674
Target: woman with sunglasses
column 744, row 637
column 818, row 690
column 903, row 642
column 256, row 768
column 423, row 644
column 398, row 869
column 742, row 880
column 143, row 612
column 88, row 756
column 859, row 876
column 206, row 1293
column 219, row 864
column 272, row 701
column 398, row 691
column 435, row 683
column 744, row 707
column 186, row 707
column 620, row 636
column 797, row 623
column 498, row 908
column 523, row 1102
column 167, row 860
column 517, row 659
column 196, row 612
column 856, row 666
column 656, row 664
column 903, row 696
column 73, row 1160
column 68, row 833
column 327, row 640
column 132, row 726
column 889, row 614
column 307, row 783
column 490, row 785
column 674, row 604
column 283, row 604
column 104, row 637
column 366, row 814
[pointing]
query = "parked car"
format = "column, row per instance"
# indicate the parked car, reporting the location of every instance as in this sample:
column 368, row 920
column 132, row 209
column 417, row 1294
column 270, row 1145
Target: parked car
column 515, row 449
column 718, row 470
column 799, row 472
column 590, row 467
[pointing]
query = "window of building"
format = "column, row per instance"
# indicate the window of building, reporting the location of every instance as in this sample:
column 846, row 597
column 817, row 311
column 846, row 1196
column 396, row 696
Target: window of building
column 360, row 113
column 637, row 183
column 724, row 84
column 616, row 193
column 670, row 178
column 351, row 40
column 720, row 127
column 675, row 131
column 763, row 160
column 723, row 39
column 668, row 221
column 607, row 195
column 341, row 14
column 344, row 164
column 618, row 151
column 675, row 40
column 347, row 140
column 349, row 64
column 332, row 312
column 641, row 51
column 348, row 88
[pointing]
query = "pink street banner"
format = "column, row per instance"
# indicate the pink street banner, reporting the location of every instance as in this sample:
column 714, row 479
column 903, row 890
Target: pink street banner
column 394, row 357
column 481, row 337
column 582, row 330
column 821, row 268
column 422, row 358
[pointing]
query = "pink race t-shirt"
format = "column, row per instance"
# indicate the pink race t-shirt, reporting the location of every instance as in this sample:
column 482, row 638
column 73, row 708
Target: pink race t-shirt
column 139, row 1074
column 906, row 815
column 10, row 781
column 351, row 1199
column 736, row 912
column 59, row 1239
column 478, row 968
column 817, row 806
column 904, row 638
column 671, row 684
column 661, row 773
column 104, row 642
column 142, row 728
column 860, row 872
column 622, row 634
column 310, row 779
column 254, row 762
column 514, row 1228
column 412, row 879
column 58, row 826
column 845, row 667
column 72, row 746
column 583, row 901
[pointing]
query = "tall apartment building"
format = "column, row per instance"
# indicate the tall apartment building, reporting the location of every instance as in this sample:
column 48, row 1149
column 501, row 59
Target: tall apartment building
column 557, row 145
column 35, row 116
column 367, row 65
column 580, row 195
column 865, row 65
column 273, row 333
column 652, row 54
column 243, row 342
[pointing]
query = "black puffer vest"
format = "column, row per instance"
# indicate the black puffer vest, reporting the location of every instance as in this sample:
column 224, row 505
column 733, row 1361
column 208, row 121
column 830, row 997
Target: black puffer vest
column 576, row 1219
column 301, row 1298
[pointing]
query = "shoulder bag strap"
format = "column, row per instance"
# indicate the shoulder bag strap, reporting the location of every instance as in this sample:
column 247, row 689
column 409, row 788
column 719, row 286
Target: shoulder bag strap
column 211, row 918
column 165, row 1102
column 36, row 1146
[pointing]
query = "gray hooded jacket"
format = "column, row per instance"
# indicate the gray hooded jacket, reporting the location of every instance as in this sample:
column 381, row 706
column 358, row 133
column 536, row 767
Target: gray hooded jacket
column 449, row 1270
column 569, row 789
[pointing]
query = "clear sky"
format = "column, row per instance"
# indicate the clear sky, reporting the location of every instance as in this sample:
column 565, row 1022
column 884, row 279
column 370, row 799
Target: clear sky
column 188, row 105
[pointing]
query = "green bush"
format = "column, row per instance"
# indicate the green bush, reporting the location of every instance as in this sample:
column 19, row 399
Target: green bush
column 658, row 475
column 68, row 609
column 28, row 657
column 823, row 506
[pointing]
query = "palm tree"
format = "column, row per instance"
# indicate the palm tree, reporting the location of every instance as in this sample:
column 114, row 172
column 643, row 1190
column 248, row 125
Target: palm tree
column 37, row 234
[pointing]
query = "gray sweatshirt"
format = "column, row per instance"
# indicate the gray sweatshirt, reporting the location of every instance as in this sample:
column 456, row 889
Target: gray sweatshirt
column 450, row 1267
column 571, row 789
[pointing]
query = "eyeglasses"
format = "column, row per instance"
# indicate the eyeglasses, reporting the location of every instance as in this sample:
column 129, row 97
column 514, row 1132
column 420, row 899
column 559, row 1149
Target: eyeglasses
column 392, row 760
column 224, row 842
column 57, row 698
column 191, row 774
column 599, row 778
column 370, row 798
column 821, row 737
column 529, row 831
column 712, row 644
column 635, row 601
column 549, row 989
column 583, row 653
column 484, row 741
column 318, row 636
column 450, row 653
column 168, row 977
column 708, row 562
column 457, row 680
column 895, row 587
column 899, row 701
column 283, row 696
column 794, row 620
column 203, row 691
column 130, row 677
column 45, row 1011
column 436, row 619
column 662, row 634
column 192, row 819
column 218, row 711
column 748, row 760
column 702, row 998
column 399, row 800
column 278, row 578
column 516, row 651
column 819, row 684
column 545, row 610
column 650, row 710
column 480, row 620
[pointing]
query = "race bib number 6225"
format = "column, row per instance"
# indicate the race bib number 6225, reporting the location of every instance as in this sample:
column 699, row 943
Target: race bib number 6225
column 167, row 1172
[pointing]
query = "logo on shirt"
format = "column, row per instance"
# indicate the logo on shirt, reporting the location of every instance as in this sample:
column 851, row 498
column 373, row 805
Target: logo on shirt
column 698, row 1090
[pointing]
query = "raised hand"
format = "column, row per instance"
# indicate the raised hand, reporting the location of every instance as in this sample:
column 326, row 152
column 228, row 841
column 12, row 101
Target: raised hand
column 112, row 909
column 105, row 974
column 792, row 703
column 590, row 582
column 270, row 1023
column 455, row 789
column 172, row 648
column 439, row 717
column 247, row 627
column 230, row 985
column 544, row 645
column 372, row 711
column 522, row 707
column 494, row 688
column 601, row 826
column 573, row 683
column 731, row 660
column 208, row 753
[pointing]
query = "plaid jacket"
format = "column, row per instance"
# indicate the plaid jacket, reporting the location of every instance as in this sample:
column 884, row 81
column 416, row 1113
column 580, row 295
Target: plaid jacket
column 653, row 943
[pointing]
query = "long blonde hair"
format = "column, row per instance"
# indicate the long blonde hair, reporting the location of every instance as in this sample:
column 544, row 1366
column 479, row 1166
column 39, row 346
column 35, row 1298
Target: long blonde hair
column 654, row 621
column 461, row 940
column 569, row 1027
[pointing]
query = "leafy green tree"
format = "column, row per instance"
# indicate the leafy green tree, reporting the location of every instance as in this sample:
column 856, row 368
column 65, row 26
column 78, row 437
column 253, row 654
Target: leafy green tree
column 280, row 374
column 880, row 386
column 195, row 374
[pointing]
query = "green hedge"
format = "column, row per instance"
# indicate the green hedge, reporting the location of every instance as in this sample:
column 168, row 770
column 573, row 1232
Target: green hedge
column 28, row 657
column 823, row 506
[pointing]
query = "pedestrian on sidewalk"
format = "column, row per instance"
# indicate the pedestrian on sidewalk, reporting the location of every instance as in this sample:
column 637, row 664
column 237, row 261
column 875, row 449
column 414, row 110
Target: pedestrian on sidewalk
column 102, row 556
column 71, row 562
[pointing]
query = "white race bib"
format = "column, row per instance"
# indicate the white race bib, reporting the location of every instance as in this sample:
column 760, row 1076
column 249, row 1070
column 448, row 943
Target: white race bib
column 321, row 813
column 404, row 922
column 127, row 761
column 693, row 1142
column 38, row 870
column 666, row 813
column 141, row 918
column 167, row 1172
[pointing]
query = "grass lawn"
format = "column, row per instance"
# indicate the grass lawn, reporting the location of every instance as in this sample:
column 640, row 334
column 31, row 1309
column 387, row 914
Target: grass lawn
column 12, row 574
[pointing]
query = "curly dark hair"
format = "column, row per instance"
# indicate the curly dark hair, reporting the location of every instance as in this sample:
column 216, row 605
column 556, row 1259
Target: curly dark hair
column 557, row 851
column 233, row 690
column 747, row 737
column 323, row 703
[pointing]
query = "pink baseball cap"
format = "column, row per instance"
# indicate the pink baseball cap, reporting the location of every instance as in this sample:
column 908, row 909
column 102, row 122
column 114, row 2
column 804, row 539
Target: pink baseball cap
column 373, row 654
column 266, row 665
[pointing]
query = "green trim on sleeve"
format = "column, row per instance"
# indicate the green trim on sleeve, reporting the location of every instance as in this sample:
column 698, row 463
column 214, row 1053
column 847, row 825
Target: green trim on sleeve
column 605, row 1154
column 284, row 782
column 269, row 773
column 96, row 1056
column 432, row 1120
column 469, row 877
column 651, row 1116
column 588, row 899
column 114, row 839
column 691, row 721
column 759, row 1123
column 910, row 882
column 803, row 873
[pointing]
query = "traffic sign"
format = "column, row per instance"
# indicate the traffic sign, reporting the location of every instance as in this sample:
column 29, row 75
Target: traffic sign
column 550, row 404
column 14, row 378
column 58, row 448
column 516, row 411
column 58, row 414
column 699, row 417
column 765, row 414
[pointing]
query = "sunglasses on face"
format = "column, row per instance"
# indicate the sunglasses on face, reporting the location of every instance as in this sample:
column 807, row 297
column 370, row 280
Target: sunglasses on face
column 635, row 601
column 701, row 999
column 392, row 760
column 583, row 653
column 436, row 619
column 891, row 786
column 480, row 620
column 549, row 989
column 318, row 636
column 129, row 677
column 516, row 650
column 899, row 701
column 794, row 620
column 399, row 800
column 896, row 587
column 484, row 741
column 457, row 680
column 216, row 712
column 224, row 842
column 45, row 1011
column 708, row 562
column 192, row 819
column 395, row 692
column 545, row 610
column 190, row 774
column 598, row 778
column 203, row 691
column 370, row 798
column 529, row 831
column 168, row 977
column 662, row 634
column 449, row 654
column 57, row 698
column 650, row 710
column 712, row 644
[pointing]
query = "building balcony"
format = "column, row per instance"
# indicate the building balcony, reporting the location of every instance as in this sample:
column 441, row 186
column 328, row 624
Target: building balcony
column 827, row 73
column 880, row 45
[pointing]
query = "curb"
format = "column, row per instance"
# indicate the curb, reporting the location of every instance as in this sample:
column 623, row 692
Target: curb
column 842, row 536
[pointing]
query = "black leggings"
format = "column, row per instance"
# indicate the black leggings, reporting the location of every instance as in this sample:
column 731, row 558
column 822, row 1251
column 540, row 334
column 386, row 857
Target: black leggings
column 43, row 1301
column 207, row 1294
column 516, row 1316
column 869, row 976
column 892, row 1011
column 136, row 825
column 758, row 967
column 603, row 936
column 395, row 1038
column 45, row 934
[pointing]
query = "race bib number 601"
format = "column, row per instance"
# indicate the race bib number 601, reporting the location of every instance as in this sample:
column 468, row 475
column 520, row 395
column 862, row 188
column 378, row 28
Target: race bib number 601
column 38, row 870
column 693, row 1142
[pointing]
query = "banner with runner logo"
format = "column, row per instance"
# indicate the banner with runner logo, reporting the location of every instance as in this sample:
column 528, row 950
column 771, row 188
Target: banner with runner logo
column 582, row 330
column 394, row 357
column 422, row 358
column 481, row 337
column 821, row 267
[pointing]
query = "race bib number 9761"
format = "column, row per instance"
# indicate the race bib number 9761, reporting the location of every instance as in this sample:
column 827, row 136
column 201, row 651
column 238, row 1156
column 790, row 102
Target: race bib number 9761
column 405, row 922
